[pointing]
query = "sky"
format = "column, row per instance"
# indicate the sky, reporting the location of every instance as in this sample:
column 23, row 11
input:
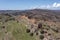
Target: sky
column 29, row 4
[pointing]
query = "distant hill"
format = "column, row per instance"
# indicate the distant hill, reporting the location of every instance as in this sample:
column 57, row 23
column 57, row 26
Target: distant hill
column 40, row 14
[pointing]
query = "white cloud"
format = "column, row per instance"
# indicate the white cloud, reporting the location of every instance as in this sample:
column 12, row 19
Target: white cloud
column 45, row 6
column 56, row 5
column 52, row 6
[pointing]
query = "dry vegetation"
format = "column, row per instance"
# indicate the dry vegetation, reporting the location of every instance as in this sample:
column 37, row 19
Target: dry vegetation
column 34, row 24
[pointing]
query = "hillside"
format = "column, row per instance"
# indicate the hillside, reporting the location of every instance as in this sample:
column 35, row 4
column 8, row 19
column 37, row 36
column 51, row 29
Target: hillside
column 35, row 24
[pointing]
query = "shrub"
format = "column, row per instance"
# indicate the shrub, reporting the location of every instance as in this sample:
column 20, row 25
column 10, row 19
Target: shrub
column 5, row 31
column 47, row 28
column 31, row 34
column 27, row 30
column 49, row 34
column 41, row 37
column 36, row 33
column 6, row 20
column 42, row 32
column 44, row 25
column 3, row 27
column 11, row 18
column 32, row 26
column 55, row 30
column 29, row 17
column 40, row 25
column 17, row 21
column 36, row 30
column 45, row 31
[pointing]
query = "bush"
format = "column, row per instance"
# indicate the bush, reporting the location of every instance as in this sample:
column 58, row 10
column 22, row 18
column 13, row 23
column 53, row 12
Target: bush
column 27, row 30
column 45, row 31
column 41, row 37
column 17, row 21
column 6, row 20
column 32, row 26
column 40, row 25
column 36, row 30
column 42, row 32
column 37, row 33
column 44, row 25
column 11, row 18
column 3, row 27
column 31, row 34
column 49, row 34
column 55, row 30
column 29, row 17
